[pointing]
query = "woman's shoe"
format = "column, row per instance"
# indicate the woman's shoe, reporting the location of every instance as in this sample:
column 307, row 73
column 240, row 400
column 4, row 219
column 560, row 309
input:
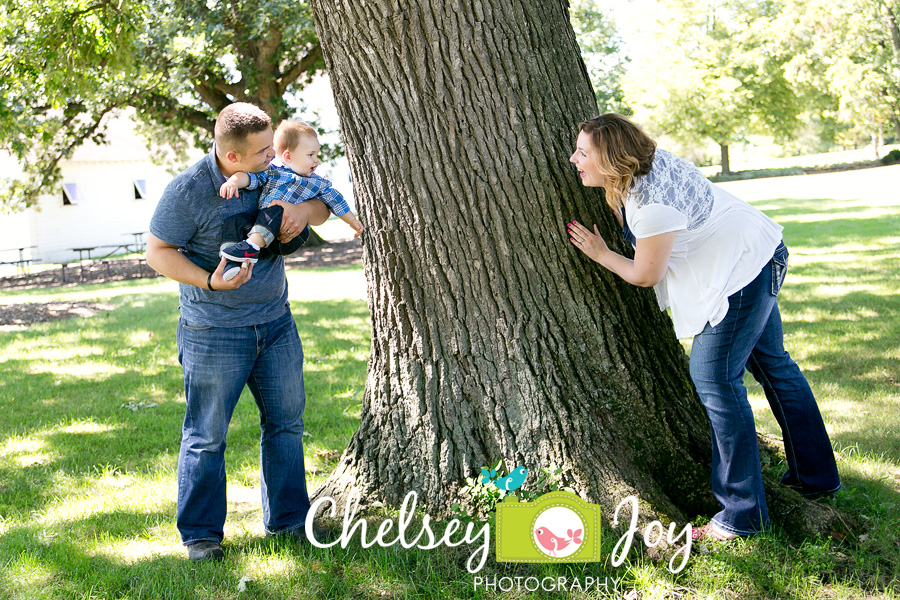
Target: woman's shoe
column 711, row 533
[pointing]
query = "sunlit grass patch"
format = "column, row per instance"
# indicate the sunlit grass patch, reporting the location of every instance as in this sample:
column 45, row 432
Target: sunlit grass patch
column 90, row 417
column 26, row 577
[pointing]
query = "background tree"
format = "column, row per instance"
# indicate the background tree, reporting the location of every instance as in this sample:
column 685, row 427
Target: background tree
column 68, row 65
column 851, row 51
column 603, row 54
column 716, row 74
column 491, row 336
column 60, row 75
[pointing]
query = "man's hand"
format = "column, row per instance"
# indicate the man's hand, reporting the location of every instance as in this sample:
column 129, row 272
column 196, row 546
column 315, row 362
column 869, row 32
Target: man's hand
column 166, row 260
column 297, row 216
column 240, row 279
column 293, row 221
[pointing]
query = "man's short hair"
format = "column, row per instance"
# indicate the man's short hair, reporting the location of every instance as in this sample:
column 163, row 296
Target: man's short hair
column 237, row 121
column 289, row 134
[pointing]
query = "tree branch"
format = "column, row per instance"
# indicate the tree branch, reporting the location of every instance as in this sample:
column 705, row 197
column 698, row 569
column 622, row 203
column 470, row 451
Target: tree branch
column 234, row 90
column 266, row 49
column 43, row 173
column 214, row 95
column 76, row 14
column 294, row 72
column 188, row 113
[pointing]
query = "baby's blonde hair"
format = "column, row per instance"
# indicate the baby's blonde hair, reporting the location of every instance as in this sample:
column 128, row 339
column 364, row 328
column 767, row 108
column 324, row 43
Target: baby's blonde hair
column 289, row 134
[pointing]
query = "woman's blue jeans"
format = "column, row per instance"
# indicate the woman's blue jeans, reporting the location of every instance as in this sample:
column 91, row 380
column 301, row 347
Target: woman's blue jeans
column 751, row 337
column 218, row 362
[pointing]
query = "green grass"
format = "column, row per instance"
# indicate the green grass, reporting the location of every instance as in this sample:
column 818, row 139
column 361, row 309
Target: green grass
column 87, row 485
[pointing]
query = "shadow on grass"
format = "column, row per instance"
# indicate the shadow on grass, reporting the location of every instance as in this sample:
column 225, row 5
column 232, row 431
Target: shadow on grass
column 856, row 339
column 821, row 223
column 49, row 565
column 846, row 305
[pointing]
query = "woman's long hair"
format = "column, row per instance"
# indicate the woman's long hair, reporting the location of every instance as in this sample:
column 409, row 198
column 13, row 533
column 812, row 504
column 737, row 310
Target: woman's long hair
column 621, row 150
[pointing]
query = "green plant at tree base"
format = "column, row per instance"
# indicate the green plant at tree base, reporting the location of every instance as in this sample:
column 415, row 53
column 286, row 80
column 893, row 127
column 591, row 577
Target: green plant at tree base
column 482, row 495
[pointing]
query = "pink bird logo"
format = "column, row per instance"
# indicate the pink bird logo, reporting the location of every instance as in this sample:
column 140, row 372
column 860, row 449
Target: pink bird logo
column 553, row 543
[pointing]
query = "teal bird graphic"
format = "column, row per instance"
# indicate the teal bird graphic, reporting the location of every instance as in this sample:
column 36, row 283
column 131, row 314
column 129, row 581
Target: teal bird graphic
column 512, row 481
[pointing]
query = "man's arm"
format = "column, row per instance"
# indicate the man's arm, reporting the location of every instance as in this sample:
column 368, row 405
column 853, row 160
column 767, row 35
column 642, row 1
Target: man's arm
column 298, row 216
column 167, row 260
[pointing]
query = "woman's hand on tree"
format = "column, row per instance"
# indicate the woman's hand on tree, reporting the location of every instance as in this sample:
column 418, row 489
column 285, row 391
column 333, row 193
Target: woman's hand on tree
column 589, row 242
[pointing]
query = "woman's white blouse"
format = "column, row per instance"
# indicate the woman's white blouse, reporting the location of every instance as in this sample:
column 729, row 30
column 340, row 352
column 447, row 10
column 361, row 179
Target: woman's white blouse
column 721, row 242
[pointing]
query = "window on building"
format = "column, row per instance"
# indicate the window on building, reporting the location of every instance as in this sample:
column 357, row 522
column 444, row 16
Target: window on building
column 71, row 194
column 140, row 189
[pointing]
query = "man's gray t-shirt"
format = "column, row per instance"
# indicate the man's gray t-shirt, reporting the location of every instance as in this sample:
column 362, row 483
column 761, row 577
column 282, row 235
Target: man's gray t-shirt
column 190, row 215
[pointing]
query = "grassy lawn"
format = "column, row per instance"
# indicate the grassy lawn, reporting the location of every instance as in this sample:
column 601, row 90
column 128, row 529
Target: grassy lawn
column 91, row 409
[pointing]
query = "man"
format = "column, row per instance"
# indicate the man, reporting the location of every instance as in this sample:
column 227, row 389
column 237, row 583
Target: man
column 233, row 333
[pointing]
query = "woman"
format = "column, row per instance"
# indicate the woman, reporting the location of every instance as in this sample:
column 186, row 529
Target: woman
column 719, row 264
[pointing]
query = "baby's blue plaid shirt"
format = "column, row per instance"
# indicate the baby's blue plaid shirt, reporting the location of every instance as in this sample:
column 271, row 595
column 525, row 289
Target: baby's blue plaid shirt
column 281, row 183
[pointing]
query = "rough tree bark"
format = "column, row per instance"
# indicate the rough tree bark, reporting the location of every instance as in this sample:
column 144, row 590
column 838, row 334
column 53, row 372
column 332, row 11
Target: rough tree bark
column 492, row 337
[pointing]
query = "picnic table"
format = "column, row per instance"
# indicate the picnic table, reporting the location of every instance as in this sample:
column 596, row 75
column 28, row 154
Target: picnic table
column 22, row 263
column 81, row 255
column 139, row 244
column 86, row 257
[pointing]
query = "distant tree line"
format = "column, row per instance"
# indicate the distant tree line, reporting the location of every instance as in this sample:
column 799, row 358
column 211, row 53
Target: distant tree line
column 725, row 70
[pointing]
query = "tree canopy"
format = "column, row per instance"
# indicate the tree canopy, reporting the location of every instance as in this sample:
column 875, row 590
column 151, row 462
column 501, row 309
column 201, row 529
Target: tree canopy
column 717, row 71
column 849, row 51
column 725, row 70
column 602, row 52
column 68, row 65
column 717, row 74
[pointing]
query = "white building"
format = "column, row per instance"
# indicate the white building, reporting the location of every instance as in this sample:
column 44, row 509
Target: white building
column 107, row 197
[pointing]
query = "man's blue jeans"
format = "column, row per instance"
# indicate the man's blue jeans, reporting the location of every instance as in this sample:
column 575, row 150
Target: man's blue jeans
column 751, row 337
column 218, row 362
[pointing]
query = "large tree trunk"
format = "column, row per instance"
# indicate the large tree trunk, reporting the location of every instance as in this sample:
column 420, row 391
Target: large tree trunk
column 890, row 21
column 492, row 336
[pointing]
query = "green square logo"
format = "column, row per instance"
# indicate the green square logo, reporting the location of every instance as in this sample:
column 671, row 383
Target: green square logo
column 557, row 527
